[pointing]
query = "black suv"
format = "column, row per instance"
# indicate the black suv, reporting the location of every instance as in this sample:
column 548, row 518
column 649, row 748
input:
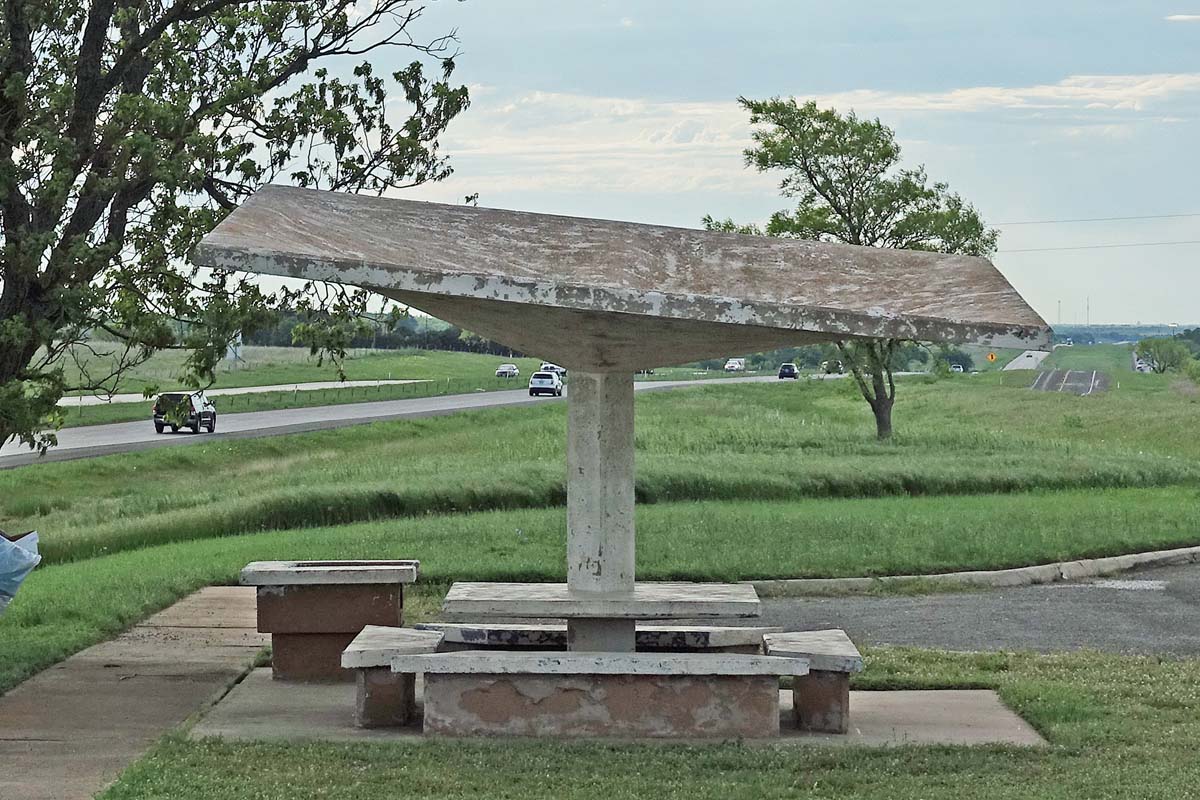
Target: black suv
column 177, row 410
column 788, row 371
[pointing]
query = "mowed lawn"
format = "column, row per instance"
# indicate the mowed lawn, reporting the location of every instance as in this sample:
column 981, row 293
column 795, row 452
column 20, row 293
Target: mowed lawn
column 1117, row 727
column 738, row 482
column 786, row 441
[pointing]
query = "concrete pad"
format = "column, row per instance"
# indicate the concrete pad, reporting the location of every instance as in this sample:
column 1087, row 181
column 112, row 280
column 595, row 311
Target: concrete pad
column 69, row 731
column 262, row 708
column 943, row 716
column 259, row 708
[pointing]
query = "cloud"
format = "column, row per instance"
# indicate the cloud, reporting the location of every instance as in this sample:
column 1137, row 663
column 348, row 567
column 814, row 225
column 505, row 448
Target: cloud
column 626, row 22
column 1182, row 18
column 561, row 141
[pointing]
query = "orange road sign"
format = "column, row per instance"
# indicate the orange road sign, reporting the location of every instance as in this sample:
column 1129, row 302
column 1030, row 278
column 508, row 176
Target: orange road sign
column 991, row 356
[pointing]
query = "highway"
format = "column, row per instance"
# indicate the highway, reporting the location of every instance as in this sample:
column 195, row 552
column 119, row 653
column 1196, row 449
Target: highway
column 101, row 440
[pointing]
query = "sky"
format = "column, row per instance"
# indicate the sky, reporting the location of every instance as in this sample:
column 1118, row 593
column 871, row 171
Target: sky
column 1033, row 111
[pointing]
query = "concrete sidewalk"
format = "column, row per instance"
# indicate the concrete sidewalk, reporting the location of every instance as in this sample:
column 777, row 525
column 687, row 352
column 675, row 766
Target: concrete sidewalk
column 69, row 731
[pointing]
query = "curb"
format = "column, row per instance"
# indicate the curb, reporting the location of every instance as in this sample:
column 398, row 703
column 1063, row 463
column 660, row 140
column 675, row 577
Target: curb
column 997, row 578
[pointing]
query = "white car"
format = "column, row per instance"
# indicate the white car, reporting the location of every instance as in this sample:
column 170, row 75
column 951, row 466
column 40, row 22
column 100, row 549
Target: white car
column 957, row 368
column 735, row 365
column 555, row 368
column 507, row 371
column 545, row 383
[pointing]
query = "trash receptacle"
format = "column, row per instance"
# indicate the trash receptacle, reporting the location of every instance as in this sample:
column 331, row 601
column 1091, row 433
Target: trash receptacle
column 18, row 557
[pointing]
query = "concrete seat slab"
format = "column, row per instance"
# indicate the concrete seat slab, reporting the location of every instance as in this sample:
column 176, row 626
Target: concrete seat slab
column 314, row 573
column 377, row 645
column 478, row 662
column 648, row 600
column 827, row 650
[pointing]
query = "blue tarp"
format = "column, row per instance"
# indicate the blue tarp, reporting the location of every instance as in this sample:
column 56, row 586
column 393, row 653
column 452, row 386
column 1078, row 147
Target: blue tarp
column 18, row 557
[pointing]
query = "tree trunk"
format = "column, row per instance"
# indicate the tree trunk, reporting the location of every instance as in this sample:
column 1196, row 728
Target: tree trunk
column 882, row 407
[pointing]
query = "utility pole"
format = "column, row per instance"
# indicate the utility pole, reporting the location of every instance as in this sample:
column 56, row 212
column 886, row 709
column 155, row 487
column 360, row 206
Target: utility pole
column 1060, row 312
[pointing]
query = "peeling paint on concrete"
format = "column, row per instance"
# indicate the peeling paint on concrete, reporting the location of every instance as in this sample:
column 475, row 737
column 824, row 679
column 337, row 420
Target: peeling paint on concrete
column 669, row 294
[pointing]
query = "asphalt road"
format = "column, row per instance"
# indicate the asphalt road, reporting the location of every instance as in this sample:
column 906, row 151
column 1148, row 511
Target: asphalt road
column 1151, row 612
column 1082, row 382
column 100, row 440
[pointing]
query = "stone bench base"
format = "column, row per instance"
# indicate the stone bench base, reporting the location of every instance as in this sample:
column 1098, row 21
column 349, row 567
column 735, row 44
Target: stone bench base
column 314, row 609
column 681, row 696
column 821, row 699
column 385, row 698
column 674, row 706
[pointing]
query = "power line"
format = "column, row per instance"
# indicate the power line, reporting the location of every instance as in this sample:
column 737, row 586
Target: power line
column 1093, row 219
column 1099, row 246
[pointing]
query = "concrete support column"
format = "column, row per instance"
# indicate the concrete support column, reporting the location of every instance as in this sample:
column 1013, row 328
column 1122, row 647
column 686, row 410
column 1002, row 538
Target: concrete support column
column 600, row 533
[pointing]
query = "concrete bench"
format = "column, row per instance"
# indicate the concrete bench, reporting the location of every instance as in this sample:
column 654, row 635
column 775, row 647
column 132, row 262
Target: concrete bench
column 385, row 698
column 314, row 609
column 648, row 638
column 688, row 695
column 821, row 698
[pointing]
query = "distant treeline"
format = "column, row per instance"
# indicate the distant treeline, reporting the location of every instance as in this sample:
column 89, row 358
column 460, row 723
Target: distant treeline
column 388, row 334
column 1110, row 334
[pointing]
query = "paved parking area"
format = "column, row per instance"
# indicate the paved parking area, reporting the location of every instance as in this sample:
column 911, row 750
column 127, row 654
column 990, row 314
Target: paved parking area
column 1152, row 612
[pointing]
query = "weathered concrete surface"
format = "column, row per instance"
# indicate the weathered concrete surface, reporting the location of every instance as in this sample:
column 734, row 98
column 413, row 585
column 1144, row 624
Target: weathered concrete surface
column 376, row 645
column 649, row 600
column 500, row 662
column 821, row 701
column 828, row 650
column 653, row 706
column 384, row 699
column 600, row 493
column 311, row 622
column 69, row 731
column 618, row 296
column 319, row 573
column 329, row 608
column 261, row 709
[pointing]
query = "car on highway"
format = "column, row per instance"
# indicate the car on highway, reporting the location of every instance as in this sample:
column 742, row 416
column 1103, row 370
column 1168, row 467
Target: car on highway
column 507, row 371
column 788, row 370
column 545, row 383
column 735, row 365
column 555, row 368
column 832, row 367
column 958, row 368
column 177, row 410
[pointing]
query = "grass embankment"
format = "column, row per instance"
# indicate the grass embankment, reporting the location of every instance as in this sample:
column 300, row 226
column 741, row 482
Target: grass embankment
column 1114, row 359
column 68, row 606
column 966, row 435
column 1118, row 727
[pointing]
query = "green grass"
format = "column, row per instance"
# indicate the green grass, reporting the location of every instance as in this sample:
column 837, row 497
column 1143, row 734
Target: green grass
column 966, row 435
column 65, row 607
column 1111, row 358
column 1117, row 727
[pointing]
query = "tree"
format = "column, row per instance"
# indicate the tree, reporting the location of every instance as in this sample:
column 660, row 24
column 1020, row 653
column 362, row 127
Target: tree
column 1164, row 354
column 129, row 128
column 845, row 174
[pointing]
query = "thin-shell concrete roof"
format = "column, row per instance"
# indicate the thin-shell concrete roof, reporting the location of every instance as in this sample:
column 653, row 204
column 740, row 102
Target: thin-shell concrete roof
column 607, row 295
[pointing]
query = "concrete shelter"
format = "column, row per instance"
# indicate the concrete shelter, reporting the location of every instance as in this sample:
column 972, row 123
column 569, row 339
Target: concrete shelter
column 605, row 299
